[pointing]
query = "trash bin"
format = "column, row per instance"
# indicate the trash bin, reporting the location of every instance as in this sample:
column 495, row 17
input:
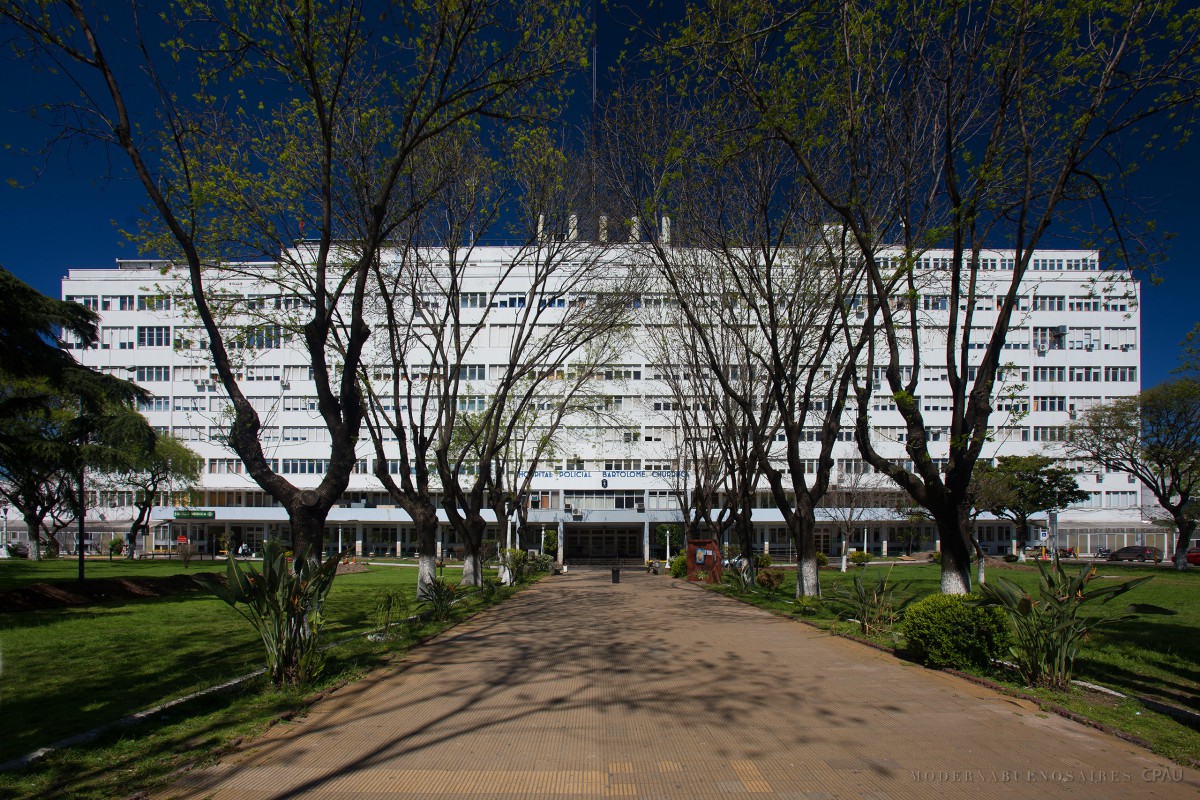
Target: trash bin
column 616, row 574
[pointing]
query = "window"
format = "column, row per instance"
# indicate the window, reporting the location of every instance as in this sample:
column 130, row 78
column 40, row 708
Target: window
column 883, row 403
column 575, row 465
column 1050, row 338
column 189, row 433
column 305, row 466
column 1085, row 374
column 935, row 302
column 224, row 466
column 1051, row 433
column 663, row 404
column 1121, row 499
column 299, row 404
column 262, row 373
column 306, row 434
column 472, row 372
column 153, row 374
column 1050, row 403
column 117, row 303
column 1116, row 304
column 465, row 300
column 472, row 403
column 1120, row 373
column 155, row 404
column 189, row 403
column 87, row 301
column 1049, row 374
column 622, row 464
column 1083, row 339
column 153, row 336
column 158, row 302
column 937, row 404
column 1017, row 339
column 1077, row 303
column 622, row 374
column 1046, row 264
column 1049, row 302
column 1124, row 339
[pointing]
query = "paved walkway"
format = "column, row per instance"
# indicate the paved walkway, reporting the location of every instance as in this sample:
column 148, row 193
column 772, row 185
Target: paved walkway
column 652, row 688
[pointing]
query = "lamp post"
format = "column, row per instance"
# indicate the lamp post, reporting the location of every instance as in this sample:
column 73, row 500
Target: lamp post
column 4, row 543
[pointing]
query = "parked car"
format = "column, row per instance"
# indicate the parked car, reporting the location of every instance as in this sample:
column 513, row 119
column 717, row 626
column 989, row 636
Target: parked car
column 1193, row 556
column 1137, row 552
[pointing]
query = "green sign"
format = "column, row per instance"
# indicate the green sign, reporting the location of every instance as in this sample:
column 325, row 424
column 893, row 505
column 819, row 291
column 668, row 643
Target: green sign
column 192, row 513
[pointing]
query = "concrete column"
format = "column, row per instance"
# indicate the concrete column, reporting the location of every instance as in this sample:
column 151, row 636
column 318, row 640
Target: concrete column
column 562, row 543
column 646, row 541
column 358, row 539
column 883, row 552
column 399, row 540
column 228, row 543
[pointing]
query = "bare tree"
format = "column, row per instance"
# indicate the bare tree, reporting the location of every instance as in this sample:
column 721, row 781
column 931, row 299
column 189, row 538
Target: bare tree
column 552, row 298
column 259, row 126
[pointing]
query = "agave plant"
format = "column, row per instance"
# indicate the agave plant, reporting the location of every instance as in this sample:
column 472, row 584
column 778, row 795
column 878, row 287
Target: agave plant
column 284, row 604
column 1050, row 626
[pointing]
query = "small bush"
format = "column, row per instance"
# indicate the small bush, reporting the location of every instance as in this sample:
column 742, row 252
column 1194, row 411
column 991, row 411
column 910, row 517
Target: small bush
column 1011, row 559
column 936, row 556
column 769, row 580
column 762, row 561
column 116, row 546
column 540, row 562
column 440, row 597
column 822, row 559
column 860, row 558
column 679, row 566
column 950, row 631
column 392, row 607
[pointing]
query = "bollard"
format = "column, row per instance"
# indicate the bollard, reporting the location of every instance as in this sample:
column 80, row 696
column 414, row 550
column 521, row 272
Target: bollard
column 616, row 574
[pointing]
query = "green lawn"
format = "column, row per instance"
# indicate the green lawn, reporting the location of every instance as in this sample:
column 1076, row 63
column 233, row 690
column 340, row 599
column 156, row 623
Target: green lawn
column 17, row 572
column 70, row 669
column 1155, row 656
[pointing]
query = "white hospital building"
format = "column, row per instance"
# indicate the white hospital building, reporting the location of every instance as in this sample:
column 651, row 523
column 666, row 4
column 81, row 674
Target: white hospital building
column 1074, row 342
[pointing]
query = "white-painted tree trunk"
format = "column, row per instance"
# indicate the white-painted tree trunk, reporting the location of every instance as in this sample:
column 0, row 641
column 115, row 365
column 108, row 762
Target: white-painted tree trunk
column 472, row 574
column 952, row 583
column 426, row 573
column 808, row 585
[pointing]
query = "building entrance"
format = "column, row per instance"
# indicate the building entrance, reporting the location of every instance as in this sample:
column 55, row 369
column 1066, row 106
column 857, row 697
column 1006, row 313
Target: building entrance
column 585, row 545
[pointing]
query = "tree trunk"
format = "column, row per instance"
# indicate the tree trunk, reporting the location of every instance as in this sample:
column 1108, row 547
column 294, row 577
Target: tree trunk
column 1185, row 527
column 803, row 529
column 956, row 557
column 308, row 530
column 472, row 563
column 33, row 527
column 425, row 527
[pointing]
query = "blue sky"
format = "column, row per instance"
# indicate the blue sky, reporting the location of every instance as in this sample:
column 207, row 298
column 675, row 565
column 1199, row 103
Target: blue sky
column 66, row 213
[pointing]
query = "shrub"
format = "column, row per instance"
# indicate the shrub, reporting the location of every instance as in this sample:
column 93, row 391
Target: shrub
column 871, row 605
column 679, row 566
column 284, row 604
column 860, row 558
column 186, row 551
column 762, row 561
column 1050, row 626
column 116, row 546
column 822, row 559
column 1011, row 559
column 770, row 580
column 517, row 564
column 392, row 607
column 489, row 589
column 440, row 596
column 540, row 562
column 936, row 556
column 950, row 631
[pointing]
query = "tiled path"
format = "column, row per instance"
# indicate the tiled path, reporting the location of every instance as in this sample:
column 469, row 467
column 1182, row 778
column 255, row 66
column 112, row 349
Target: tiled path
column 652, row 688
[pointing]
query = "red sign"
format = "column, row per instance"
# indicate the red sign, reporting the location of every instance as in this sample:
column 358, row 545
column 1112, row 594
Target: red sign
column 181, row 539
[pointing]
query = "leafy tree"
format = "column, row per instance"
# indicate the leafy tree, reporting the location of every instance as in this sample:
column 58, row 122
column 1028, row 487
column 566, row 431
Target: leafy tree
column 968, row 125
column 1155, row 437
column 170, row 466
column 57, row 417
column 259, row 125
column 1018, row 487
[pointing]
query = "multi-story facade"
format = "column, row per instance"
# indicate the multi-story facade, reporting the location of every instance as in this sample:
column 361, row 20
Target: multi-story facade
column 1074, row 342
